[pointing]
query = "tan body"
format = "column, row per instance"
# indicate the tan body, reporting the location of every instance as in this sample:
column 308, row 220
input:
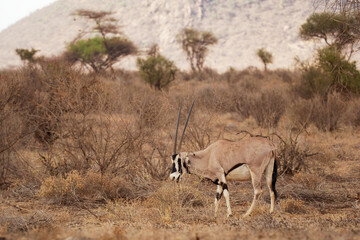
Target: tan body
column 239, row 161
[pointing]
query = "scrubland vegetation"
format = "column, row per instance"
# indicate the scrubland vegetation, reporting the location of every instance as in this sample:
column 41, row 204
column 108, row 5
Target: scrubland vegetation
column 84, row 155
column 85, row 152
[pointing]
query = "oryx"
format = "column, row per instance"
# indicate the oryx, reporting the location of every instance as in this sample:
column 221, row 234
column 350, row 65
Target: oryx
column 229, row 160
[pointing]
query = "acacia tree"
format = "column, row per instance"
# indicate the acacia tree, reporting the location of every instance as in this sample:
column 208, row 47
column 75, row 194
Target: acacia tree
column 339, row 28
column 100, row 52
column 265, row 57
column 336, row 29
column 195, row 44
column 26, row 55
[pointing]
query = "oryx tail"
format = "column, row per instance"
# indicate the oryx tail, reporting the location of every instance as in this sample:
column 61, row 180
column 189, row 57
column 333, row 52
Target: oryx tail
column 274, row 175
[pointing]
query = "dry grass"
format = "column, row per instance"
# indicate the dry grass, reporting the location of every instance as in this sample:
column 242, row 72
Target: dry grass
column 99, row 171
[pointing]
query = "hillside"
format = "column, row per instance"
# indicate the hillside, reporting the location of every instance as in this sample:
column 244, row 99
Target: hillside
column 241, row 26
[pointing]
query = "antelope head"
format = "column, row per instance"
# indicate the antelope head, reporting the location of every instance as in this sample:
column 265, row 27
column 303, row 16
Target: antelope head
column 179, row 160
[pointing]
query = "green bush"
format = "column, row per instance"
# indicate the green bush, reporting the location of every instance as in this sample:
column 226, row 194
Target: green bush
column 343, row 73
column 157, row 71
column 330, row 71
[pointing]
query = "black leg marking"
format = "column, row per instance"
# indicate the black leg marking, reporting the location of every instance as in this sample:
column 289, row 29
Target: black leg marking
column 218, row 196
column 216, row 182
column 224, row 186
column 186, row 168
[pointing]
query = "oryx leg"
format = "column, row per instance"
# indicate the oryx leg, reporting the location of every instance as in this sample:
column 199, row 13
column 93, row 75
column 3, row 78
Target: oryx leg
column 219, row 193
column 256, row 182
column 269, row 180
column 223, row 190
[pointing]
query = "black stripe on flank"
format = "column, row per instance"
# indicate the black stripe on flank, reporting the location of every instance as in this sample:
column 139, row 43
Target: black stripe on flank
column 233, row 168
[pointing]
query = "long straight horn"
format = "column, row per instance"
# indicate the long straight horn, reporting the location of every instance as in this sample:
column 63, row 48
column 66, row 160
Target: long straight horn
column 177, row 128
column 186, row 123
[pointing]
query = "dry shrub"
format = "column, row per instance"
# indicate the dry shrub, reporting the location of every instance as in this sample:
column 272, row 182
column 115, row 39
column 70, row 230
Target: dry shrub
column 75, row 187
column 285, row 75
column 244, row 103
column 207, row 74
column 53, row 89
column 151, row 112
column 63, row 189
column 102, row 142
column 150, row 108
column 103, row 187
column 299, row 113
column 308, row 180
column 215, row 98
column 173, row 201
column 13, row 131
column 293, row 206
column 12, row 221
column 292, row 154
column 200, row 132
column 268, row 108
column 154, row 160
column 327, row 113
column 352, row 114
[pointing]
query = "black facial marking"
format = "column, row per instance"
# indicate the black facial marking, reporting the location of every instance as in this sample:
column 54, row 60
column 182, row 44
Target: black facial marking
column 173, row 169
column 174, row 156
column 179, row 165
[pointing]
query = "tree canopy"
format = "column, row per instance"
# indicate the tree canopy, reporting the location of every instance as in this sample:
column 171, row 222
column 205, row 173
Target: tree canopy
column 106, row 48
column 195, row 44
column 336, row 29
column 265, row 56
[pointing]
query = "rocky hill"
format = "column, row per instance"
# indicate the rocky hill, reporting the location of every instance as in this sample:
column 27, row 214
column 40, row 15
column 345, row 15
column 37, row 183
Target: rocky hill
column 242, row 26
